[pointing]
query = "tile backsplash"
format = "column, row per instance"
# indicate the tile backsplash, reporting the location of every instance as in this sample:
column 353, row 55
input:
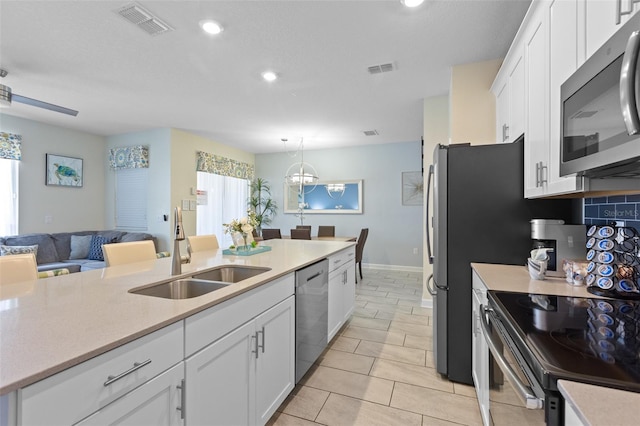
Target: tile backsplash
column 617, row 208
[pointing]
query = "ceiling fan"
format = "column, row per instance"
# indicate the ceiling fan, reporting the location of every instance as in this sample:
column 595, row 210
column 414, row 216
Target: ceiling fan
column 6, row 97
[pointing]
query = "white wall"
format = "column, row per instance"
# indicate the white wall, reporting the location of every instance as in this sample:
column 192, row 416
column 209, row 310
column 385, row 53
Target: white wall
column 70, row 209
column 394, row 230
column 159, row 196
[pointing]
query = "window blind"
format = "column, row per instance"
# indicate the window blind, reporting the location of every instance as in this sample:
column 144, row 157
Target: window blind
column 131, row 198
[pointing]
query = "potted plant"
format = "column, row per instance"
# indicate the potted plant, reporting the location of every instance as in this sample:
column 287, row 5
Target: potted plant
column 261, row 203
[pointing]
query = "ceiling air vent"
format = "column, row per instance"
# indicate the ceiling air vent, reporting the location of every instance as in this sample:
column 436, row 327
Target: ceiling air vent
column 377, row 69
column 142, row 18
column 370, row 132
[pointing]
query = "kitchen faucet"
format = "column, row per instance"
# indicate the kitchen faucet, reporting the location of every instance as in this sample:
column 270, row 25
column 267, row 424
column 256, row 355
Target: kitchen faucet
column 176, row 259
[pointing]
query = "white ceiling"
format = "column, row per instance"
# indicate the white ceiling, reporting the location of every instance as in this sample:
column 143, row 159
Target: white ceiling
column 82, row 55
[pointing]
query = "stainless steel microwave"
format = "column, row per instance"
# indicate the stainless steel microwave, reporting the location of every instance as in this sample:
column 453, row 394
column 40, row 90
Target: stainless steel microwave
column 600, row 119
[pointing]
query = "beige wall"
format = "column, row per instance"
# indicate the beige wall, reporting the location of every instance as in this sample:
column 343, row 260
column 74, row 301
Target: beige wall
column 472, row 103
column 183, row 170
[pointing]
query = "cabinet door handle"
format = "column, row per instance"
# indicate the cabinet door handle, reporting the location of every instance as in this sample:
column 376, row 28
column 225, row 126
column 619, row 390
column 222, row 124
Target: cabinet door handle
column 261, row 346
column 255, row 351
column 136, row 366
column 183, row 398
column 620, row 13
column 543, row 175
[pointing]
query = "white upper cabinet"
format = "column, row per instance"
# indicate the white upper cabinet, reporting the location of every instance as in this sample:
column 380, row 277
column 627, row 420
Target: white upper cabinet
column 508, row 89
column 602, row 18
column 536, row 153
column 563, row 61
column 555, row 38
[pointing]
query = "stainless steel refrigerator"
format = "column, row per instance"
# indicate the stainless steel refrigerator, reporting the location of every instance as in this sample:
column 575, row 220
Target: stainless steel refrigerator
column 479, row 215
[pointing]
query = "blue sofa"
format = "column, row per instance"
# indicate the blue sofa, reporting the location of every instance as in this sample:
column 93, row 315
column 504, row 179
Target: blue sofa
column 55, row 250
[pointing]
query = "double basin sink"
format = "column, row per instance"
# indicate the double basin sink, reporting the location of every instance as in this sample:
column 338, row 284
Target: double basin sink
column 201, row 283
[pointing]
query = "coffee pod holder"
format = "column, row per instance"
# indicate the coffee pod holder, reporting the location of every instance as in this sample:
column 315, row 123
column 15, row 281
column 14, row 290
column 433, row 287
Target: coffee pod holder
column 614, row 262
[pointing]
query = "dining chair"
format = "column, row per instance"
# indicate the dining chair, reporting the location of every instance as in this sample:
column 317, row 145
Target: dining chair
column 359, row 248
column 123, row 253
column 326, row 231
column 18, row 267
column 303, row 227
column 271, row 233
column 197, row 243
column 301, row 234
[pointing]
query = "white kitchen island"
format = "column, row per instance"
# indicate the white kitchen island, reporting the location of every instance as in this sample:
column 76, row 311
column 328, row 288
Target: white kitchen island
column 51, row 325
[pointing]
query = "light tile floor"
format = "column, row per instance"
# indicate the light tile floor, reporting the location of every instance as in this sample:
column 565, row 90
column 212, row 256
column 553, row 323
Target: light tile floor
column 379, row 369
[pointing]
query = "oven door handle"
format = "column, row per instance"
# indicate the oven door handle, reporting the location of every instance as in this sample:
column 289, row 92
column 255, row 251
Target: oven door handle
column 531, row 401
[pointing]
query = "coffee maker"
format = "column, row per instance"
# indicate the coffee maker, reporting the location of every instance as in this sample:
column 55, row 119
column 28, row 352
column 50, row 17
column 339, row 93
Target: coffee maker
column 567, row 242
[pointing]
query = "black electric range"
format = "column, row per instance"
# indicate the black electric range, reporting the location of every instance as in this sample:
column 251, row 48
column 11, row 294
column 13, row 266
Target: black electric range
column 589, row 340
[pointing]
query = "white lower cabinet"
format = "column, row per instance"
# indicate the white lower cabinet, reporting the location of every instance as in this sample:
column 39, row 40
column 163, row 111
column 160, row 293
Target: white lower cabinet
column 480, row 350
column 342, row 290
column 158, row 402
column 98, row 386
column 243, row 377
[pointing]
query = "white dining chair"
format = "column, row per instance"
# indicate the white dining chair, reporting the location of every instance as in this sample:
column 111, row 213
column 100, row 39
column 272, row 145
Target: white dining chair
column 123, row 253
column 196, row 243
column 18, row 267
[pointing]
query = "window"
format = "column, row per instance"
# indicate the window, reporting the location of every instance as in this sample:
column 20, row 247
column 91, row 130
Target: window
column 131, row 198
column 226, row 200
column 9, row 197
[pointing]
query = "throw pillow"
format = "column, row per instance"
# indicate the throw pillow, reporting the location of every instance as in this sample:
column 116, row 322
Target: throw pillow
column 9, row 250
column 95, row 247
column 80, row 246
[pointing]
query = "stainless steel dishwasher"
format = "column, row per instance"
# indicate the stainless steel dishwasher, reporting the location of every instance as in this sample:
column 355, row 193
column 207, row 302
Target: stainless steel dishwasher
column 312, row 288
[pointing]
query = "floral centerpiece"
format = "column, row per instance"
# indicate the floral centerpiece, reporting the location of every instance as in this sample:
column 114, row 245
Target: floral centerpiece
column 242, row 228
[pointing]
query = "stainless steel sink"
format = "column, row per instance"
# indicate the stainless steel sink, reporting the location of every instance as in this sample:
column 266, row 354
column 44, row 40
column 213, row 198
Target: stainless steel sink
column 181, row 289
column 231, row 273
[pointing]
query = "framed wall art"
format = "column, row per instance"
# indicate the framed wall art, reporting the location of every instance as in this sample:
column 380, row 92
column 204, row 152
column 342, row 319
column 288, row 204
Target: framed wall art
column 412, row 188
column 64, row 171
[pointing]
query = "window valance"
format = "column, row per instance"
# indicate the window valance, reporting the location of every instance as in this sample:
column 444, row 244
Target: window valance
column 129, row 157
column 10, row 146
column 218, row 165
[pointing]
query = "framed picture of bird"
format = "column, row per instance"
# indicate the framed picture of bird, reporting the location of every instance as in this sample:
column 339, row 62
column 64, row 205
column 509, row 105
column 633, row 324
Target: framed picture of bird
column 64, row 171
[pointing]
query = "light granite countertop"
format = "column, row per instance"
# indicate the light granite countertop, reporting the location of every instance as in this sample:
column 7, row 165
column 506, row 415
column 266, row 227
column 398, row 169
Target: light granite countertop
column 51, row 324
column 595, row 405
column 516, row 278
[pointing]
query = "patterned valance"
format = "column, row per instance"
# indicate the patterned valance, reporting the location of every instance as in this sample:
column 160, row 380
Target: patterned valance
column 212, row 163
column 129, row 157
column 10, row 146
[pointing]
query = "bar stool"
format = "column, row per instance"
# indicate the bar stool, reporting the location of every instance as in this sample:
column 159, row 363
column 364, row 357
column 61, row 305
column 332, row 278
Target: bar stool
column 123, row 253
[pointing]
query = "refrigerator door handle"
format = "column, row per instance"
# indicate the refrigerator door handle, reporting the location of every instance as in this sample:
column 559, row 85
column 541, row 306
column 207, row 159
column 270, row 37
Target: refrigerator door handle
column 429, row 252
column 439, row 287
column 430, row 288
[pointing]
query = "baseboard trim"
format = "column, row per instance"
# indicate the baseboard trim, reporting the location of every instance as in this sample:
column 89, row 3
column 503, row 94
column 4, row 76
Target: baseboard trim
column 392, row 267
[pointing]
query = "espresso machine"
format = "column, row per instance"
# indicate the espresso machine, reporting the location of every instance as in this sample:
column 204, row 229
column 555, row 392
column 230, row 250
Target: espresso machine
column 566, row 242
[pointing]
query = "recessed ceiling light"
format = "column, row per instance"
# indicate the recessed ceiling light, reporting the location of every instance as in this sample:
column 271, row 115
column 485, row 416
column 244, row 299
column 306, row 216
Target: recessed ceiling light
column 412, row 3
column 269, row 75
column 211, row 27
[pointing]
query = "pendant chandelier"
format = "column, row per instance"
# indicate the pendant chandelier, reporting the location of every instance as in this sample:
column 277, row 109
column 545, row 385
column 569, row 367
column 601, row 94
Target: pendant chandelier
column 302, row 175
